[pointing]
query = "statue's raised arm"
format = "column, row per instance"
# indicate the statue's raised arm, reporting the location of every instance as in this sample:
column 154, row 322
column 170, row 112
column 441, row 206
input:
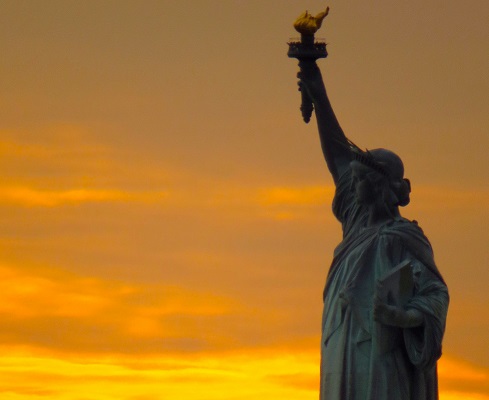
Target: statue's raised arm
column 335, row 145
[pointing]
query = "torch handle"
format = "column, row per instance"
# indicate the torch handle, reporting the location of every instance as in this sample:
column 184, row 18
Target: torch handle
column 306, row 106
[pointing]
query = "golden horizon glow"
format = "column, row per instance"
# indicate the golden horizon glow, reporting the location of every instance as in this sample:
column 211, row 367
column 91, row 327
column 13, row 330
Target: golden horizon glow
column 285, row 371
column 277, row 374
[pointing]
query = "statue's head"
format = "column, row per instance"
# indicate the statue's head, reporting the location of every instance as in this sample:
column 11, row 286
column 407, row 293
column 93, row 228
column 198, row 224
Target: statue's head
column 378, row 177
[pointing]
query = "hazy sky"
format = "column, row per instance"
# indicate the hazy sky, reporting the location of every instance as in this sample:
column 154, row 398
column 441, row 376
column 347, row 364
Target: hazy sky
column 166, row 222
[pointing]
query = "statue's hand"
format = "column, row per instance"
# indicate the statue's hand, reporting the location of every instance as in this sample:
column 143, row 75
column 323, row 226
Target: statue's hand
column 396, row 316
column 310, row 80
column 388, row 315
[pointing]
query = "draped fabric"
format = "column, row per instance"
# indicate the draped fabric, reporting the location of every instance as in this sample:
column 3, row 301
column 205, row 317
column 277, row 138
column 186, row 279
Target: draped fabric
column 362, row 359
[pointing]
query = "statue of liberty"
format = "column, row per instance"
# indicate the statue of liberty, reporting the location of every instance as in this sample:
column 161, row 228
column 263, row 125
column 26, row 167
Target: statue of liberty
column 374, row 345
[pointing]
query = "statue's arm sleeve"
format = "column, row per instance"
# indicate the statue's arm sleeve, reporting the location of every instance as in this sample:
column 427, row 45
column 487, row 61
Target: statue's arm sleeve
column 335, row 145
column 430, row 298
column 423, row 343
column 345, row 208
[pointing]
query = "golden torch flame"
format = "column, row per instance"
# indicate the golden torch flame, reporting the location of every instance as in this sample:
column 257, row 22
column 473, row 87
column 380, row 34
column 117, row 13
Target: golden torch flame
column 306, row 24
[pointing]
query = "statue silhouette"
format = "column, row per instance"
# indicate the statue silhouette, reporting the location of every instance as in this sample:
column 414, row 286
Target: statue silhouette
column 372, row 346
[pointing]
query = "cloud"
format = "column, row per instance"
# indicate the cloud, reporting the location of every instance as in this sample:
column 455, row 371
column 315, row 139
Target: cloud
column 67, row 163
column 227, row 377
column 456, row 375
column 307, row 195
column 29, row 197
column 39, row 294
column 457, row 395
column 63, row 333
column 63, row 151
column 290, row 203
column 272, row 374
column 60, row 311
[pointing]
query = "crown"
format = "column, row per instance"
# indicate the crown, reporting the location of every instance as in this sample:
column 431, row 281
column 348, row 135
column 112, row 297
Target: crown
column 367, row 159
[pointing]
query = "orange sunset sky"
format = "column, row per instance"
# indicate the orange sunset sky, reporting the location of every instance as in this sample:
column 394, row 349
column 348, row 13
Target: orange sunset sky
column 166, row 227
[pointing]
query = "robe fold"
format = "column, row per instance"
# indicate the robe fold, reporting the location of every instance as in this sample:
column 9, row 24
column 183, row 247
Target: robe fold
column 362, row 359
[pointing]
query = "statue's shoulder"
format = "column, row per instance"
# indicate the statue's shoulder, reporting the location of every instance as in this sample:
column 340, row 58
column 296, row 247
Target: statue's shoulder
column 404, row 223
column 414, row 240
column 405, row 228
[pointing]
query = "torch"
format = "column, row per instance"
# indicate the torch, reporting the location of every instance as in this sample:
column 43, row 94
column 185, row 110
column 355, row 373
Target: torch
column 308, row 48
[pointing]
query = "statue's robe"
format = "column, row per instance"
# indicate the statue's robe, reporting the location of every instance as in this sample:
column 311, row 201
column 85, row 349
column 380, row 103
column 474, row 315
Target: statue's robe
column 362, row 359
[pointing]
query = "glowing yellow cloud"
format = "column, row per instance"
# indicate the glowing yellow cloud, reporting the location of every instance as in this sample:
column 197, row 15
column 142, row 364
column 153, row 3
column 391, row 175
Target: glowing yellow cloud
column 28, row 197
column 30, row 294
column 37, row 305
column 67, row 165
column 288, row 203
column 142, row 316
column 309, row 195
column 223, row 378
column 452, row 368
column 268, row 374
column 55, row 293
column 458, row 395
